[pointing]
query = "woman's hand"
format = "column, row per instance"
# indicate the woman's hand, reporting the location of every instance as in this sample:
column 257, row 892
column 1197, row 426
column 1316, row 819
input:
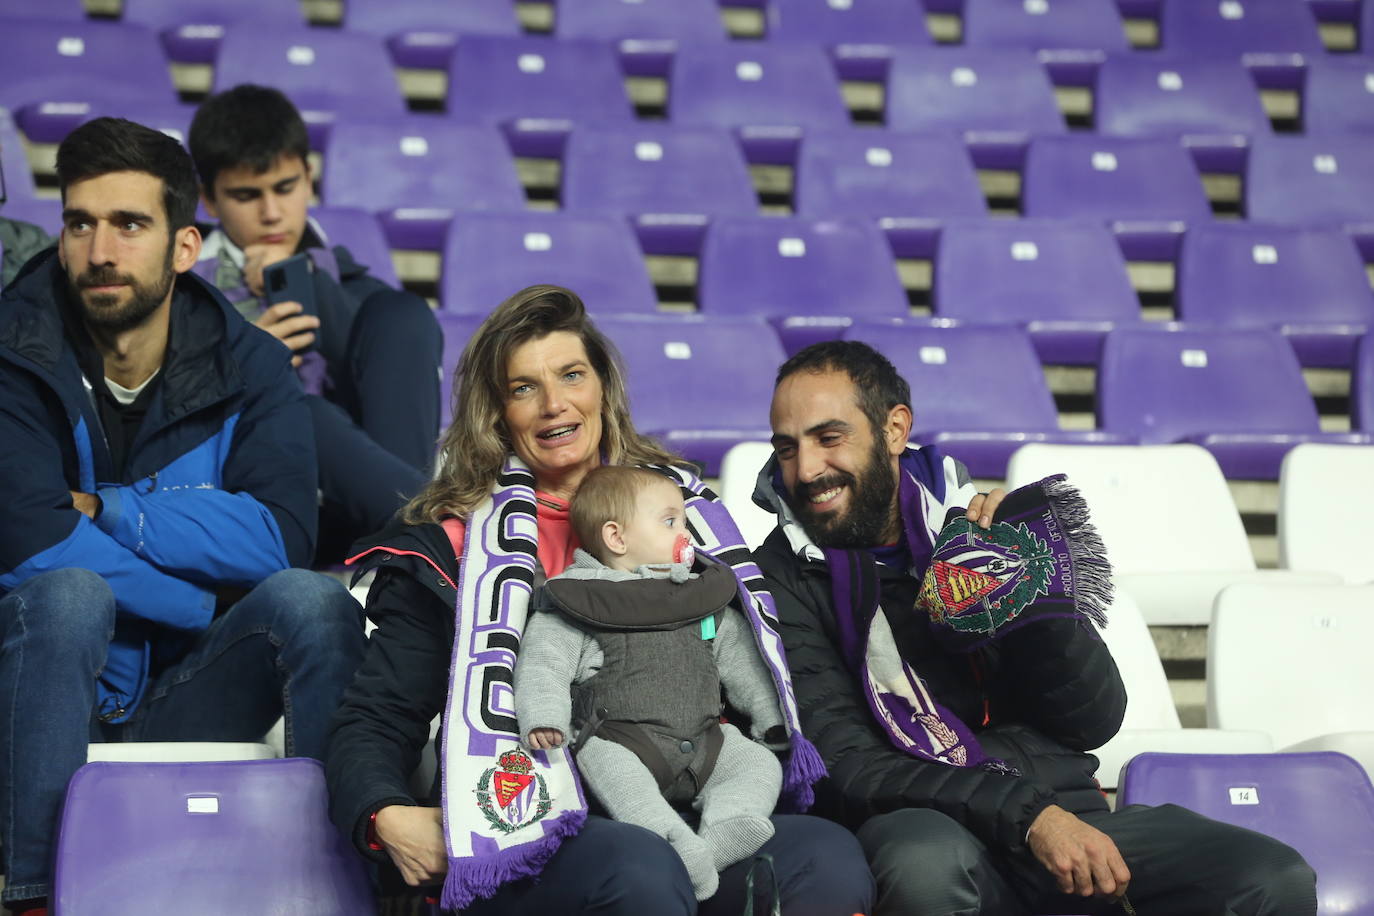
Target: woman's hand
column 414, row 838
column 545, row 739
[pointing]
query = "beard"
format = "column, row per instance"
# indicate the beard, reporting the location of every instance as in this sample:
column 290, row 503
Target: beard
column 869, row 515
column 101, row 310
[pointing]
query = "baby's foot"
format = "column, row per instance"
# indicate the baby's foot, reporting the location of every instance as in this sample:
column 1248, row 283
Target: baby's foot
column 696, row 855
column 736, row 839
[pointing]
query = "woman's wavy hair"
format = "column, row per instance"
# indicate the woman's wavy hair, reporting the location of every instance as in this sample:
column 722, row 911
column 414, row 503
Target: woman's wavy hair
column 476, row 443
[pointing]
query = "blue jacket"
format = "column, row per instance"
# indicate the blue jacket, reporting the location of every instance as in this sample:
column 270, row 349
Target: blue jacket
column 219, row 490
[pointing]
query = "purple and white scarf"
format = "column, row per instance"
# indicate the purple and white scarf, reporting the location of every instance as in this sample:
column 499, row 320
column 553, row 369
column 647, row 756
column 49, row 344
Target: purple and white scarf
column 1040, row 558
column 507, row 809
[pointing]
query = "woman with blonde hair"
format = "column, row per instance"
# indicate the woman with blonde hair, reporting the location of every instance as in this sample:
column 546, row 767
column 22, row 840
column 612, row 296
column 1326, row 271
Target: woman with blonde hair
column 540, row 401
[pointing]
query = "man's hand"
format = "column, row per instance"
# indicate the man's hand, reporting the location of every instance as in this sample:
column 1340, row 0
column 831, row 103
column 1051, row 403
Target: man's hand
column 545, row 739
column 982, row 507
column 285, row 322
column 1082, row 859
column 88, row 504
column 255, row 258
column 414, row 838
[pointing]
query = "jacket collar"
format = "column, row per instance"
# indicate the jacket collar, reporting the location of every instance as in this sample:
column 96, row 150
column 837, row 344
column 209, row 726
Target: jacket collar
column 198, row 370
column 768, row 494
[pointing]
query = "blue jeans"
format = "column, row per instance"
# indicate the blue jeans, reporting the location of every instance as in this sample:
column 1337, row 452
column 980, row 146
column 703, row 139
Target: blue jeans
column 289, row 648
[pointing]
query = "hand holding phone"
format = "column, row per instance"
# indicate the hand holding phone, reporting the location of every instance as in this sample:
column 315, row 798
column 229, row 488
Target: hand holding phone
column 286, row 282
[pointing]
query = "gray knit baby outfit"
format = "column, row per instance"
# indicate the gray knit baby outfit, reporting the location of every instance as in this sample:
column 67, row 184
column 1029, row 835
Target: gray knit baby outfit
column 629, row 667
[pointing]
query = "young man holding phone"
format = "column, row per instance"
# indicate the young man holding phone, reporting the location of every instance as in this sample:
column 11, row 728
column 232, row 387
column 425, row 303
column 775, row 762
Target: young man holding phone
column 368, row 355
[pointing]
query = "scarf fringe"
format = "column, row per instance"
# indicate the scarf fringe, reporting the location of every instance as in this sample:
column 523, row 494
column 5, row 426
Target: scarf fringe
column 471, row 878
column 804, row 769
column 1092, row 572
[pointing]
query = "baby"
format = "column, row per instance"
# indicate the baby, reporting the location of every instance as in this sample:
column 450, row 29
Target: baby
column 625, row 655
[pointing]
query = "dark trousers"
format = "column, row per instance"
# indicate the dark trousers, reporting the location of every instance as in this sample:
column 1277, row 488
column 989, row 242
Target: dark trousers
column 1181, row 863
column 615, row 869
column 375, row 433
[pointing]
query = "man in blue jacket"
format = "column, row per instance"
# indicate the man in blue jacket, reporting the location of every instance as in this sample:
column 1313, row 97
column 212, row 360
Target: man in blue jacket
column 367, row 354
column 157, row 484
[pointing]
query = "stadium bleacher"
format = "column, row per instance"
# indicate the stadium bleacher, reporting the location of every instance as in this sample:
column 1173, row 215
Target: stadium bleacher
column 1125, row 220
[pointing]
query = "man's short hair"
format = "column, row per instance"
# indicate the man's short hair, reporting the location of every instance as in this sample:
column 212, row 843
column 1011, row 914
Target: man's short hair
column 877, row 384
column 107, row 145
column 248, row 125
column 608, row 494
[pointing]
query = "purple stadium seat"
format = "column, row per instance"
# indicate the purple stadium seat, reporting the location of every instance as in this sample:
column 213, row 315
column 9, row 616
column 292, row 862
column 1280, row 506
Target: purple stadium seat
column 1272, row 37
column 671, row 181
column 1339, row 96
column 1239, row 393
column 18, row 178
column 771, row 94
column 997, row 98
column 861, row 34
column 423, row 33
column 1362, row 386
column 52, row 72
column 1335, row 10
column 699, row 384
column 172, row 118
column 43, row 212
column 65, row 10
column 811, row 275
column 978, row 392
column 537, row 89
column 1313, row 181
column 324, row 72
column 185, row 827
column 1072, row 36
column 1309, row 284
column 416, row 172
column 489, row 256
column 359, row 232
column 191, row 30
column 1148, row 189
column 1212, row 105
column 1321, row 804
column 1063, row 281
column 647, row 32
column 909, row 183
column 457, row 330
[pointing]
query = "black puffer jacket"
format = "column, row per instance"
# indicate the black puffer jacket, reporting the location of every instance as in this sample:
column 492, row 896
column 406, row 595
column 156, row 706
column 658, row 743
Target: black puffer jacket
column 382, row 725
column 1038, row 699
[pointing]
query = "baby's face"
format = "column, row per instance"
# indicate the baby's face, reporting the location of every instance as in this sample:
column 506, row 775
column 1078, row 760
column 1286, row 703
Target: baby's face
column 658, row 530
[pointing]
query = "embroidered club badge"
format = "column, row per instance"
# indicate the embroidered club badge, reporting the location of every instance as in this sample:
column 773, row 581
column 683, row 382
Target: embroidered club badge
column 511, row 794
column 978, row 580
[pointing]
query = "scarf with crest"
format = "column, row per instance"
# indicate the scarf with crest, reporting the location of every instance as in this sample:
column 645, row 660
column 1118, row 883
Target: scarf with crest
column 1041, row 558
column 507, row 809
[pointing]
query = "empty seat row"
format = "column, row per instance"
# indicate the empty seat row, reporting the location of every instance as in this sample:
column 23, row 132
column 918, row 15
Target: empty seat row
column 1063, row 281
column 1148, row 187
column 753, row 87
column 422, row 34
column 704, row 383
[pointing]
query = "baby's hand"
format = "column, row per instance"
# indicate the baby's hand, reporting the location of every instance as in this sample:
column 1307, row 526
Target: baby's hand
column 545, row 739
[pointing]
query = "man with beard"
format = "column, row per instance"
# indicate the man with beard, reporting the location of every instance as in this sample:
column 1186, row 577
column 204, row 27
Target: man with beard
column 157, row 482
column 1015, row 823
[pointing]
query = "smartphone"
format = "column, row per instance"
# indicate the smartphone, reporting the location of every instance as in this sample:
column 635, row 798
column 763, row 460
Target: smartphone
column 290, row 281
